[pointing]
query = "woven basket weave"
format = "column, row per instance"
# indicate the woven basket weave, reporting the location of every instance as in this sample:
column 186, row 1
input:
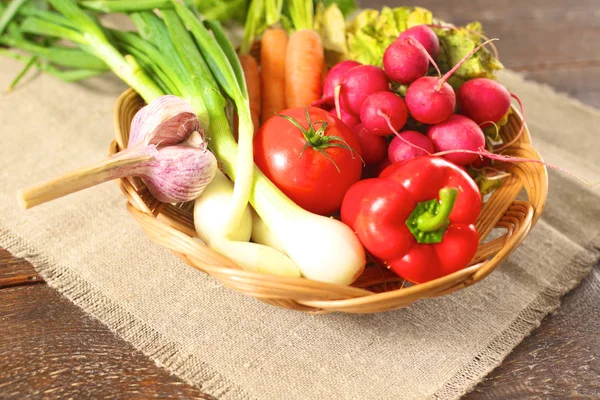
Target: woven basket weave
column 377, row 289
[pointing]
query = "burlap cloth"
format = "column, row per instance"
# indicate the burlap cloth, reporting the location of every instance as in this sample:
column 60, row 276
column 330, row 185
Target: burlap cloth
column 233, row 347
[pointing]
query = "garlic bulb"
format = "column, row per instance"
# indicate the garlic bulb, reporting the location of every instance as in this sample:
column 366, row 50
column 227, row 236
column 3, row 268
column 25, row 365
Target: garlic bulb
column 167, row 120
column 167, row 151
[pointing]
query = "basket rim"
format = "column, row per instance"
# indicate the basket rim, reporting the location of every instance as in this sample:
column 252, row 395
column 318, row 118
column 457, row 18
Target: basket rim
column 314, row 296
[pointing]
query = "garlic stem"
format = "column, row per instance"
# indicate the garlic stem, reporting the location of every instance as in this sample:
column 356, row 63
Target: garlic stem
column 122, row 164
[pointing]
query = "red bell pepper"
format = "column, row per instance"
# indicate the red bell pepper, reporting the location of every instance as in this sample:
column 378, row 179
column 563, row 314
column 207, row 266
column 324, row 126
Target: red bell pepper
column 417, row 216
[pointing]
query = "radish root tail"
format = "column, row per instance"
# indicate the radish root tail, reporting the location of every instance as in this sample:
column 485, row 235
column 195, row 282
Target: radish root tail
column 516, row 138
column 389, row 124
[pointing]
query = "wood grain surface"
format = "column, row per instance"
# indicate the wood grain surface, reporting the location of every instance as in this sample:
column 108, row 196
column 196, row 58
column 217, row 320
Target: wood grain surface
column 50, row 349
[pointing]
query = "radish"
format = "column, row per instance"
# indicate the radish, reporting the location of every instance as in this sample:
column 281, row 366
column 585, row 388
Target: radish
column 347, row 118
column 383, row 164
column 483, row 100
column 432, row 100
column 357, row 84
column 418, row 145
column 458, row 133
column 426, row 36
column 373, row 147
column 405, row 61
column 335, row 76
column 378, row 108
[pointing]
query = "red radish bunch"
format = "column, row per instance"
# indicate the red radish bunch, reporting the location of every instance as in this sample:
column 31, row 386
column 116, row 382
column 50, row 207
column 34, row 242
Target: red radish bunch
column 364, row 101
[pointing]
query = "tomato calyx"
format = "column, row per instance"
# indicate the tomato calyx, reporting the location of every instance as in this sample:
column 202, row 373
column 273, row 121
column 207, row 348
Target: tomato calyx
column 429, row 220
column 316, row 138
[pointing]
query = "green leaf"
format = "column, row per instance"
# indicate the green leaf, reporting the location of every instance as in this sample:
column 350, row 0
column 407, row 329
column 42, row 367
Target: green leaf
column 9, row 13
column 345, row 6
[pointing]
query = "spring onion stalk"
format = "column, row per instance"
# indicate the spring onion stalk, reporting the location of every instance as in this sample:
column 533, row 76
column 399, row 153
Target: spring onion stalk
column 123, row 6
column 225, row 75
column 154, row 30
column 103, row 49
column 21, row 74
column 251, row 27
column 145, row 52
column 9, row 13
column 196, row 67
column 32, row 11
column 58, row 55
column 273, row 11
column 70, row 75
column 42, row 27
column 223, row 10
column 301, row 13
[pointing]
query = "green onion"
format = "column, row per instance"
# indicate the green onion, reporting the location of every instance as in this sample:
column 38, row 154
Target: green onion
column 154, row 30
column 224, row 73
column 9, row 13
column 127, row 71
column 254, row 20
column 31, row 11
column 43, row 27
column 22, row 73
column 63, row 56
column 119, row 6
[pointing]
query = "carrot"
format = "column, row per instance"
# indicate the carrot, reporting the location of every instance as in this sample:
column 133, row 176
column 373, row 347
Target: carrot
column 303, row 68
column 273, row 47
column 252, row 75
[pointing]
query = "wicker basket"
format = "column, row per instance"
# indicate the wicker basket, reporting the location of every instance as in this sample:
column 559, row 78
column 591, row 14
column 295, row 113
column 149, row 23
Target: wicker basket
column 377, row 289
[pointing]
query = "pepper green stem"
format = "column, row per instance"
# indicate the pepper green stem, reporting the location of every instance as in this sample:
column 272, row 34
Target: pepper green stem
column 428, row 221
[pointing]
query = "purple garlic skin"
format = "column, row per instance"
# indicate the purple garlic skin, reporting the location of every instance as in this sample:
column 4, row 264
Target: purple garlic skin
column 165, row 121
column 179, row 173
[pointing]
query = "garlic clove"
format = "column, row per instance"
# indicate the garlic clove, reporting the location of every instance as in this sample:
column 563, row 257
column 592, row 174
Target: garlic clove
column 179, row 173
column 166, row 120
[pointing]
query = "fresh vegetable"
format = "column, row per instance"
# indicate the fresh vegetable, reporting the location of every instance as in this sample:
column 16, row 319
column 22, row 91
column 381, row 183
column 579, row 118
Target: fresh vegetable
column 253, row 81
column 426, row 36
column 383, row 113
column 211, row 209
column 210, row 213
column 330, row 23
column 373, row 147
column 483, row 100
column 311, row 156
column 334, row 78
column 418, row 145
column 349, row 119
column 405, row 61
column 303, row 67
column 432, row 100
column 358, row 84
column 418, row 217
column 372, row 31
column 273, row 50
column 166, row 149
column 457, row 133
column 455, row 44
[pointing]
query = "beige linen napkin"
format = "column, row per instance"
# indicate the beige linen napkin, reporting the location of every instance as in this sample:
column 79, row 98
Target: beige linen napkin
column 233, row 347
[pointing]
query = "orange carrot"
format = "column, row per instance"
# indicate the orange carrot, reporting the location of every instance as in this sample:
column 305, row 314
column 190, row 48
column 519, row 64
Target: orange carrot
column 303, row 68
column 252, row 75
column 273, row 47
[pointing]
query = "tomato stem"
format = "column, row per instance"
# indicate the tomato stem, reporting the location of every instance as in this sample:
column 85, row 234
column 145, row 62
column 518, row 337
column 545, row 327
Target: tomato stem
column 317, row 138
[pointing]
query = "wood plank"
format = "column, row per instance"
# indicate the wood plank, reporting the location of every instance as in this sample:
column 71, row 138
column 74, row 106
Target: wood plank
column 16, row 271
column 582, row 83
column 560, row 360
column 49, row 348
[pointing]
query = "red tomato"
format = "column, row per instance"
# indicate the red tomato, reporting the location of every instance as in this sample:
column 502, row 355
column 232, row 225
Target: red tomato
column 314, row 166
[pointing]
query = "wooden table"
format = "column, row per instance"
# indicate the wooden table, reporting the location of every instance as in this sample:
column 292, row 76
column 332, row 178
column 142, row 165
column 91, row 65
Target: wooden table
column 50, row 349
